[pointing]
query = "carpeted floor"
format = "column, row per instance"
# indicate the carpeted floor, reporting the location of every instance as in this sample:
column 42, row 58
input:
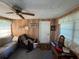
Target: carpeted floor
column 35, row 54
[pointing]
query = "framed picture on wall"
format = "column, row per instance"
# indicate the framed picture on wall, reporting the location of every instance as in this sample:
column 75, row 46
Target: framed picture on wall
column 53, row 28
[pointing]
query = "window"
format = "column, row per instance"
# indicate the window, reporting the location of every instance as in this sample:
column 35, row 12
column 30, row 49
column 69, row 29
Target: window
column 5, row 28
column 69, row 27
column 66, row 29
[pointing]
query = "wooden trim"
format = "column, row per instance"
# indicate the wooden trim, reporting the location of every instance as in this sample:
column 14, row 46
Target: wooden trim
column 44, row 19
column 1, row 17
column 12, row 29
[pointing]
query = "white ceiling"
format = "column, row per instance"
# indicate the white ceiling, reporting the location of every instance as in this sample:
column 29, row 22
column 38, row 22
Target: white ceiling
column 41, row 8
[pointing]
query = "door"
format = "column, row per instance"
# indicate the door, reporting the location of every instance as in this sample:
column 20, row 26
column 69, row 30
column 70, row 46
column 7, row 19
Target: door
column 44, row 31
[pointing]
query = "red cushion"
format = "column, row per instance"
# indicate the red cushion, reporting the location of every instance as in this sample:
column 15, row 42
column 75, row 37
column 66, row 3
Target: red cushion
column 58, row 49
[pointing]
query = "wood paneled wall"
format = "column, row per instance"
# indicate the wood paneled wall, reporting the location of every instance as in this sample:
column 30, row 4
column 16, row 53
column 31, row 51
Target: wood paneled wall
column 18, row 27
column 55, row 33
column 33, row 28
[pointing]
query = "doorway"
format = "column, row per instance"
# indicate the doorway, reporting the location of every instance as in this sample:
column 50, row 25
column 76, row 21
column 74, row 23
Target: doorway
column 44, row 31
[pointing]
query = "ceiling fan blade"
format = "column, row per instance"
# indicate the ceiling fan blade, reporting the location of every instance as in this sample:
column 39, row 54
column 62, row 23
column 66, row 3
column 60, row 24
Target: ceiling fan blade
column 31, row 14
column 21, row 16
column 9, row 12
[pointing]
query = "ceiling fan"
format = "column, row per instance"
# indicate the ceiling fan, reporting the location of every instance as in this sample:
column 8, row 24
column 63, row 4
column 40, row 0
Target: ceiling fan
column 19, row 12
